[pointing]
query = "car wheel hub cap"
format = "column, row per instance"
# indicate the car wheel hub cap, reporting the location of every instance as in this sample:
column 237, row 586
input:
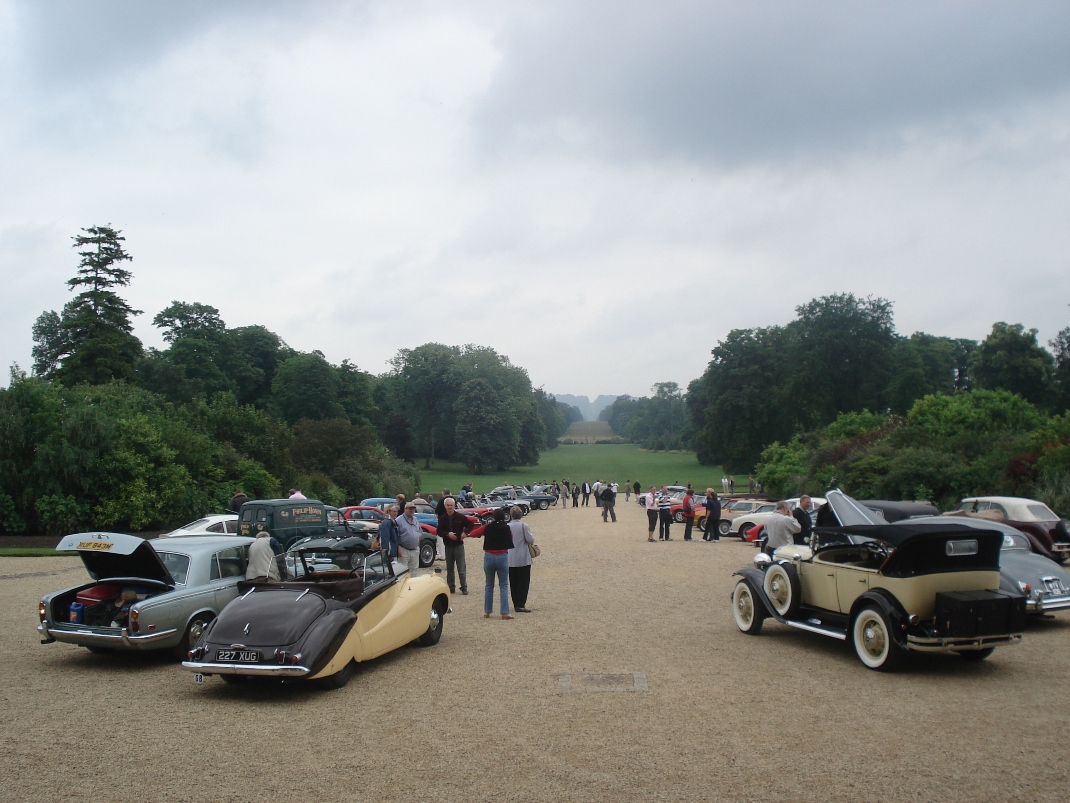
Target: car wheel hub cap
column 434, row 618
column 873, row 639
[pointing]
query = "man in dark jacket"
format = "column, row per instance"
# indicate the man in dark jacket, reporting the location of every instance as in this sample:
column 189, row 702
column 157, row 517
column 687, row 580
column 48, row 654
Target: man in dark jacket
column 452, row 528
column 689, row 512
column 609, row 500
column 713, row 517
column 586, row 488
column 388, row 532
column 802, row 515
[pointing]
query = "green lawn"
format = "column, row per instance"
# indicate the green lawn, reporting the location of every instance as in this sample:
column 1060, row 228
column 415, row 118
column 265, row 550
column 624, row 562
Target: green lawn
column 32, row 552
column 578, row 462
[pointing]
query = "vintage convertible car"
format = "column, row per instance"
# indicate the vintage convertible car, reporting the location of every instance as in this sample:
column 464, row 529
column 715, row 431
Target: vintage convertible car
column 888, row 588
column 1044, row 582
column 145, row 595
column 1047, row 533
column 345, row 606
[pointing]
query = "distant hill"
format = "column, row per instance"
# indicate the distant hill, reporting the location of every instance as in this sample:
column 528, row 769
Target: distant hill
column 590, row 409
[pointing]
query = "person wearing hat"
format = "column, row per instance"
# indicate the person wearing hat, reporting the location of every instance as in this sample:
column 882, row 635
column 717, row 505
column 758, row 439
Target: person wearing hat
column 409, row 538
column 262, row 567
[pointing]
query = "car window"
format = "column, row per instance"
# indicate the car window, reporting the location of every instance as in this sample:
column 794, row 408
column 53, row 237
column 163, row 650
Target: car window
column 247, row 515
column 376, row 570
column 999, row 507
column 766, row 509
column 261, row 515
column 232, row 526
column 193, row 525
column 228, row 563
column 177, row 564
column 215, row 528
column 1041, row 512
column 333, row 518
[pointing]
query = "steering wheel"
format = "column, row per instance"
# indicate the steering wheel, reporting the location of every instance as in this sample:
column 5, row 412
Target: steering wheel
column 876, row 550
column 353, row 572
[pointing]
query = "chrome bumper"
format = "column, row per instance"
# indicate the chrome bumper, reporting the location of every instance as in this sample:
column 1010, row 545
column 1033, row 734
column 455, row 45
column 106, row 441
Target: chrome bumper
column 940, row 644
column 84, row 637
column 1044, row 604
column 259, row 670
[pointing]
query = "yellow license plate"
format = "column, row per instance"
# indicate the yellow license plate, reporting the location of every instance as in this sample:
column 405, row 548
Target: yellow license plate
column 102, row 545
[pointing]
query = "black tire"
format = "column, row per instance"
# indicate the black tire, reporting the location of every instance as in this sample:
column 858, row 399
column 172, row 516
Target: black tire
column 782, row 589
column 724, row 526
column 544, row 505
column 743, row 530
column 700, row 524
column 193, row 633
column 434, row 630
column 339, row 678
column 427, row 553
column 976, row 655
column 871, row 634
column 748, row 611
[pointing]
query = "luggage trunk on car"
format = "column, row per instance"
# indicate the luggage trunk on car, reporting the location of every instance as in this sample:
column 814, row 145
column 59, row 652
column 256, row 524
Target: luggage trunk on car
column 971, row 614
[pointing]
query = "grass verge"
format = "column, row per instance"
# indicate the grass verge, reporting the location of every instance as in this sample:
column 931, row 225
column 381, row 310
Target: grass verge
column 28, row 552
column 579, row 462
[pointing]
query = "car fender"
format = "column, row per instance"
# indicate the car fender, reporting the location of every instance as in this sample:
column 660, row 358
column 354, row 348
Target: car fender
column 755, row 578
column 1040, row 540
column 889, row 605
column 325, row 638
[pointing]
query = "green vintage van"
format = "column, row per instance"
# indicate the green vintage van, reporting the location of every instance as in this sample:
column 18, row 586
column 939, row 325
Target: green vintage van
column 286, row 519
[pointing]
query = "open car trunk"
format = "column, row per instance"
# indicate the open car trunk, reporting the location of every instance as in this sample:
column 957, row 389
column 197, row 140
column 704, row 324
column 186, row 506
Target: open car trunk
column 126, row 570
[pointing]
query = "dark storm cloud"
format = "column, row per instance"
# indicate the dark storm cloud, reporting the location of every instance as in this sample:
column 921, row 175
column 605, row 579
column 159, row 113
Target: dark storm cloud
column 754, row 81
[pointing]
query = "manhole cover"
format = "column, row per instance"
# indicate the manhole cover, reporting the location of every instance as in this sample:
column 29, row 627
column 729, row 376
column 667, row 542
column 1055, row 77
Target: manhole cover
column 602, row 681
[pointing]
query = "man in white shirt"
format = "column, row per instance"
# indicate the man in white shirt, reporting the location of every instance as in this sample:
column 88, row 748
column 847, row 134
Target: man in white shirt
column 262, row 565
column 650, row 502
column 295, row 493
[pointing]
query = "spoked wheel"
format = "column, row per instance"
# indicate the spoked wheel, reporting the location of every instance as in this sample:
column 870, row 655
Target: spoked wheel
column 427, row 554
column 746, row 609
column 724, row 526
column 782, row 588
column 678, row 517
column 873, row 642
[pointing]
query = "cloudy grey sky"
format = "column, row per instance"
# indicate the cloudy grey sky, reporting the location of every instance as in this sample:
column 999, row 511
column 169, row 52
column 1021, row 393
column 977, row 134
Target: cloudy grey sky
column 600, row 191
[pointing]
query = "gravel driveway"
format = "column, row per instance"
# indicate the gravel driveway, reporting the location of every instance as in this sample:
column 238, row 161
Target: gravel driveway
column 629, row 681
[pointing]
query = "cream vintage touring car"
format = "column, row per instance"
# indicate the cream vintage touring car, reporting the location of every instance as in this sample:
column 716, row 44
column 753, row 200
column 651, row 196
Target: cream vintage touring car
column 344, row 605
column 886, row 588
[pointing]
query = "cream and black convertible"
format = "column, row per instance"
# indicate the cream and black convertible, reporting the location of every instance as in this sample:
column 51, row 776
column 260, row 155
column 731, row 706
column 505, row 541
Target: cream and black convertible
column 886, row 588
column 344, row 604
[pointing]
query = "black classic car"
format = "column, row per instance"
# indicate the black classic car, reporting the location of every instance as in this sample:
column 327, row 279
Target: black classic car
column 345, row 604
column 886, row 588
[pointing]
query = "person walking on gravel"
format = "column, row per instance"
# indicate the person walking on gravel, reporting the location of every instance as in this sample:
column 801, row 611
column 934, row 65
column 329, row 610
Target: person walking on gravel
column 713, row 517
column 586, row 493
column 650, row 501
column 519, row 561
column 575, row 496
column 609, row 501
column 664, row 514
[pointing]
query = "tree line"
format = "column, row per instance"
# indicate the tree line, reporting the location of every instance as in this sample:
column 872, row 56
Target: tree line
column 107, row 433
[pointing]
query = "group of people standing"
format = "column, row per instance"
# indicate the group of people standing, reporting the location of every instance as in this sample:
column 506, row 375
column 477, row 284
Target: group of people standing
column 507, row 554
column 659, row 515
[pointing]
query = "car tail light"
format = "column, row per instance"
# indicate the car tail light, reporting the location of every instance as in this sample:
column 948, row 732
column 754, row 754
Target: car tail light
column 295, row 658
column 42, row 611
column 133, row 621
column 283, row 655
column 1025, row 588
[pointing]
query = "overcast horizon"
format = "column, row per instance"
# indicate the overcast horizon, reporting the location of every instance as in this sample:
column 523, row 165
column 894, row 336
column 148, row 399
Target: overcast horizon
column 598, row 191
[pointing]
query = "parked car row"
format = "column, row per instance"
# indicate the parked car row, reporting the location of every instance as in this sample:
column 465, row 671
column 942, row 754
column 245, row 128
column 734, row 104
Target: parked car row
column 188, row 594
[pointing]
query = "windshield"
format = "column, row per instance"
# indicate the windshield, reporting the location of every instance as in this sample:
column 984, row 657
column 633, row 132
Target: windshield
column 177, row 564
column 1041, row 512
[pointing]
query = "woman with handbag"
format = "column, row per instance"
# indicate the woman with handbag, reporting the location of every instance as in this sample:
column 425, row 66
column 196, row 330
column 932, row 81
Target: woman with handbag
column 520, row 556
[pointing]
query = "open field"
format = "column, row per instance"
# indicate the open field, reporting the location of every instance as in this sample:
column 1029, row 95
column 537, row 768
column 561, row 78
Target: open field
column 620, row 462
column 503, row 710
